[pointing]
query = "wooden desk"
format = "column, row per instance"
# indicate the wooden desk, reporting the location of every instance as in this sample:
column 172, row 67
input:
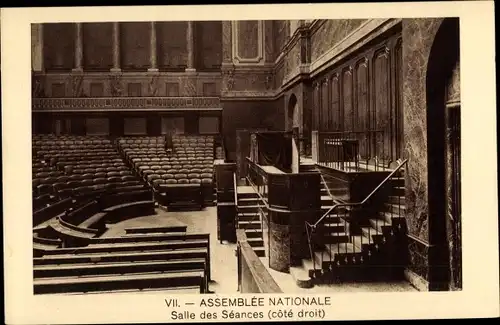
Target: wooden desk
column 182, row 196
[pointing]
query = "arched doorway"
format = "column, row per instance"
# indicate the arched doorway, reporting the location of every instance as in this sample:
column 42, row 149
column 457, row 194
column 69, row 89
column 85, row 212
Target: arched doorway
column 443, row 152
column 292, row 113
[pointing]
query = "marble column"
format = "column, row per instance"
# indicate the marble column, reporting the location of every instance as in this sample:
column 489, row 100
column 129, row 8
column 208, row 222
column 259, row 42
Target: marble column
column 153, row 55
column 190, row 46
column 78, row 47
column 116, row 48
column 37, row 47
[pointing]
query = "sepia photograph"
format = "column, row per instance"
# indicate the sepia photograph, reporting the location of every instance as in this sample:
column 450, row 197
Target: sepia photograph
column 219, row 158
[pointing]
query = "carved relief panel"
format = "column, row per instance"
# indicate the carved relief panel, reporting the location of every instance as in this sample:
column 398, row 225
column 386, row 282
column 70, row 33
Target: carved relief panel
column 247, row 42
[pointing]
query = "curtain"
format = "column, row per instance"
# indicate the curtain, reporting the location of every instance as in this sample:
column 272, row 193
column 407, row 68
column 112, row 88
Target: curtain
column 275, row 149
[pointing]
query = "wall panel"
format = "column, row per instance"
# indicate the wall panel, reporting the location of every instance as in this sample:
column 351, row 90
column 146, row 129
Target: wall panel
column 135, row 46
column 97, row 46
column 171, row 45
column 134, row 126
column 59, row 46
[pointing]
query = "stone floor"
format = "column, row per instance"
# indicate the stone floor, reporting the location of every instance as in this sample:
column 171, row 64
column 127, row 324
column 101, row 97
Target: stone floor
column 224, row 266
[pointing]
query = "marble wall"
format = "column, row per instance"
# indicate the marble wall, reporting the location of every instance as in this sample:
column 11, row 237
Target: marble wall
column 418, row 37
column 330, row 32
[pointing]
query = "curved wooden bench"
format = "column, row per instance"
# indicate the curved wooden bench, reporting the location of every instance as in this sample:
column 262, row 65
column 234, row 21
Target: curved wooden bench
column 69, row 236
column 125, row 211
column 81, row 213
column 152, row 230
column 51, row 211
column 46, row 241
column 69, row 225
column 135, row 281
column 42, row 245
column 94, row 248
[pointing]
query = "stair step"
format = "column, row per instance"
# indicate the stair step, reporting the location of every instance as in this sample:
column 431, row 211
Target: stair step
column 260, row 251
column 247, row 195
column 392, row 218
column 394, row 199
column 396, row 208
column 380, row 225
column 248, row 208
column 248, row 217
column 361, row 243
column 248, row 202
column 372, row 234
column 398, row 190
column 334, row 238
column 334, row 227
column 333, row 253
column 249, row 225
column 256, row 242
column 253, row 234
column 397, row 181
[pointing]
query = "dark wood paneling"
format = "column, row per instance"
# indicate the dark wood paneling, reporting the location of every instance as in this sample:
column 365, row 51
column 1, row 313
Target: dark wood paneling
column 209, row 44
column 250, row 115
column 58, row 46
column 347, row 99
column 365, row 94
column 172, row 45
column 98, row 46
column 336, row 107
column 325, row 106
column 135, row 46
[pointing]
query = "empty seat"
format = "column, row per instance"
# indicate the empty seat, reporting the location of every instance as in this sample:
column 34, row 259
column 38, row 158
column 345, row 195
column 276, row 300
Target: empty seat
column 171, row 181
column 193, row 175
column 180, row 176
column 167, row 176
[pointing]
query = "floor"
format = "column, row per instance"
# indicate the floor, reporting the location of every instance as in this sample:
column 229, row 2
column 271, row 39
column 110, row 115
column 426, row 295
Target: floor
column 224, row 265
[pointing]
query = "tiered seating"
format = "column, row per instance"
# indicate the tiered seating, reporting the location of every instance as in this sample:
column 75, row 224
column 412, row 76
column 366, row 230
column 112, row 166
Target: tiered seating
column 44, row 176
column 190, row 162
column 83, row 164
column 174, row 260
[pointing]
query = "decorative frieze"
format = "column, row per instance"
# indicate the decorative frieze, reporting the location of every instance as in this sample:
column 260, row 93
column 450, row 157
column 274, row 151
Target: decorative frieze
column 125, row 103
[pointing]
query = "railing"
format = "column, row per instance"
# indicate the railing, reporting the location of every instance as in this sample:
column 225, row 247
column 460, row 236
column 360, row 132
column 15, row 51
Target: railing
column 258, row 179
column 253, row 277
column 235, row 189
column 360, row 237
column 353, row 150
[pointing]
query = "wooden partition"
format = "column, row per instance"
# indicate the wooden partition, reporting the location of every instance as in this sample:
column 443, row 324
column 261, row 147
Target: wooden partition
column 253, row 277
column 290, row 199
column 226, row 200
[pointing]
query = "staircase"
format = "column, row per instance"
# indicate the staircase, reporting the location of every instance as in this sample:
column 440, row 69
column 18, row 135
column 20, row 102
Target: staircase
column 367, row 250
column 249, row 219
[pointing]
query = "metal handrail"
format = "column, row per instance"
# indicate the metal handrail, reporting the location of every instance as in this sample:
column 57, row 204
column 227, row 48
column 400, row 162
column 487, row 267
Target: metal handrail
column 235, row 187
column 358, row 203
